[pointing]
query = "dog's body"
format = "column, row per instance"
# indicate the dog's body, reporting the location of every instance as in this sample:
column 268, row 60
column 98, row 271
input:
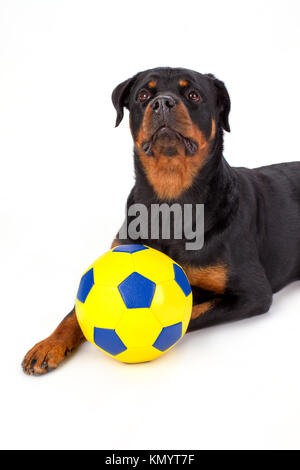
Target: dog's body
column 252, row 217
column 251, row 246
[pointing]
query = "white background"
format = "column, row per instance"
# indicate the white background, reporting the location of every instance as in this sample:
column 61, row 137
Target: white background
column 65, row 175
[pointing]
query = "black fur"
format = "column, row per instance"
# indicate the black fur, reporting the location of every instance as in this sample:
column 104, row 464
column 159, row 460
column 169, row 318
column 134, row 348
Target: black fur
column 252, row 217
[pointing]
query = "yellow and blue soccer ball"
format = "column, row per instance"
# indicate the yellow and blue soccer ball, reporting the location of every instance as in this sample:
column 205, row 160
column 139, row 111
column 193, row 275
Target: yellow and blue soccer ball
column 134, row 303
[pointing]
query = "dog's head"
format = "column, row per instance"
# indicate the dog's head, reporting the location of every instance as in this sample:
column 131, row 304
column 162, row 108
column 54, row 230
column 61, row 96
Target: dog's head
column 175, row 116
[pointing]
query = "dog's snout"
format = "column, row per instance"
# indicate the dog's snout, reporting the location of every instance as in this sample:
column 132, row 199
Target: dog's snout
column 162, row 104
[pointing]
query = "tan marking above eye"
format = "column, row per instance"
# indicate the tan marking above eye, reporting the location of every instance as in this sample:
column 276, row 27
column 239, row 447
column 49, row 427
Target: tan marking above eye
column 152, row 84
column 183, row 82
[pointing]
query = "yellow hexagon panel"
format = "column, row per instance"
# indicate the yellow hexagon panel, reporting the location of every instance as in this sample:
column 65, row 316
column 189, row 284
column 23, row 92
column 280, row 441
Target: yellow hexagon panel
column 154, row 265
column 103, row 308
column 138, row 328
column 134, row 355
column 169, row 303
column 112, row 268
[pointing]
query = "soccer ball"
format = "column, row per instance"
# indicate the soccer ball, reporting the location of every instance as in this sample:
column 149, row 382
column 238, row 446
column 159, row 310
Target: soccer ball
column 134, row 303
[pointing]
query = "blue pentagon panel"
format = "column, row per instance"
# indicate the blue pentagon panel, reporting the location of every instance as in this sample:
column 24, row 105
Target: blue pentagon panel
column 168, row 336
column 86, row 283
column 137, row 291
column 182, row 280
column 130, row 248
column 109, row 341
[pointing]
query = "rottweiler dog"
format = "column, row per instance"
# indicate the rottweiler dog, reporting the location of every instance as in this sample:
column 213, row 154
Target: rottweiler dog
column 252, row 216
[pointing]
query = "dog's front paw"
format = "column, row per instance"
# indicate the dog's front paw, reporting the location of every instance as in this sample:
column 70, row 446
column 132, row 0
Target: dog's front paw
column 44, row 356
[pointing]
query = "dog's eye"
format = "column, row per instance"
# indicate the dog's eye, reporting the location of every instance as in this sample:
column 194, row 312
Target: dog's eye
column 144, row 95
column 194, row 96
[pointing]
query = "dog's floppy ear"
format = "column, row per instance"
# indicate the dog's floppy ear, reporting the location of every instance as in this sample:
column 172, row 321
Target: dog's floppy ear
column 223, row 101
column 120, row 97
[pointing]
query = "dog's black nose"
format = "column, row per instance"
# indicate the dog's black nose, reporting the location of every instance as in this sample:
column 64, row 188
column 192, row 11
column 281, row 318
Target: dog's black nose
column 162, row 104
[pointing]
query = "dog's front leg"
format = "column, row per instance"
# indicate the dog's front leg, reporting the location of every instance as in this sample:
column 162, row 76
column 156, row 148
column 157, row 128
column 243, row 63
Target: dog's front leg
column 240, row 297
column 230, row 307
column 49, row 353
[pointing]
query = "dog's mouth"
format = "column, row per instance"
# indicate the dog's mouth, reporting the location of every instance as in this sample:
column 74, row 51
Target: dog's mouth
column 169, row 138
